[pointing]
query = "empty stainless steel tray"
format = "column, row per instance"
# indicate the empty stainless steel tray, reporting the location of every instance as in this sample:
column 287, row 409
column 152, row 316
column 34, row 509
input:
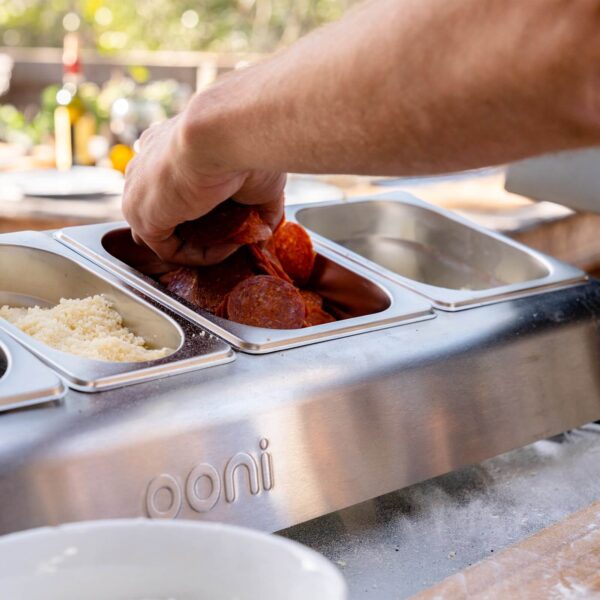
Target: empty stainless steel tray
column 36, row 269
column 451, row 261
column 369, row 301
column 24, row 380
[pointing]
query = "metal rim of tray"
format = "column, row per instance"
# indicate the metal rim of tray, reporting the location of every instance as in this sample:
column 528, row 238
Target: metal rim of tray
column 405, row 306
column 560, row 274
column 26, row 381
column 198, row 349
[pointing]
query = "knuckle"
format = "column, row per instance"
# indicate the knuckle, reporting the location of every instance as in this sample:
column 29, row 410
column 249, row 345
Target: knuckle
column 146, row 135
column 131, row 166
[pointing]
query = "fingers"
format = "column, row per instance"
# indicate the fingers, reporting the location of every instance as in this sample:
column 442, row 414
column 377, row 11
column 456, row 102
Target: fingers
column 210, row 255
column 265, row 191
column 260, row 187
column 146, row 134
column 181, row 253
column 164, row 188
column 159, row 196
column 176, row 251
column 272, row 212
column 137, row 239
column 142, row 205
column 166, row 249
column 151, row 219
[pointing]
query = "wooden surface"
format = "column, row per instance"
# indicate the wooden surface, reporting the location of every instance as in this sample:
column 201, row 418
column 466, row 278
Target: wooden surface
column 574, row 239
column 560, row 562
column 38, row 223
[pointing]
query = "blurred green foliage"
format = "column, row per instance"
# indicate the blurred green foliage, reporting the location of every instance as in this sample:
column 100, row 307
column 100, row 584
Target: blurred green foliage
column 114, row 25
column 26, row 130
column 30, row 128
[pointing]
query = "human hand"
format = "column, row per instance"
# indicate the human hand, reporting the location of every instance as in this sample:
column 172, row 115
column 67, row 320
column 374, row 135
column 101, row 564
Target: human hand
column 174, row 179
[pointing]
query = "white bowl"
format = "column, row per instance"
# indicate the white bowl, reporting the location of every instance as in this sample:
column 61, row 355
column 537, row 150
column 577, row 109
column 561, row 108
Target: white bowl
column 159, row 560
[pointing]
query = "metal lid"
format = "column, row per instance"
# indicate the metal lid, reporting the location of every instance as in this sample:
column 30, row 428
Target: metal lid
column 25, row 380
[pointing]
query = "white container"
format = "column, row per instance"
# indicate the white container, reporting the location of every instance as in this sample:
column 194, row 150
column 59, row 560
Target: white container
column 159, row 560
column 568, row 178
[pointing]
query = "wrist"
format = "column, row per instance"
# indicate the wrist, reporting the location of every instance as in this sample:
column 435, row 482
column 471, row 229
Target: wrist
column 209, row 132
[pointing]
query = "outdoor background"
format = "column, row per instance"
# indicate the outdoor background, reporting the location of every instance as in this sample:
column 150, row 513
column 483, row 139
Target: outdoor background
column 151, row 53
column 115, row 25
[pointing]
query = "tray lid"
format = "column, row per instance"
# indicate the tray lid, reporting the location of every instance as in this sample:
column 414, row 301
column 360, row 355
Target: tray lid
column 24, row 379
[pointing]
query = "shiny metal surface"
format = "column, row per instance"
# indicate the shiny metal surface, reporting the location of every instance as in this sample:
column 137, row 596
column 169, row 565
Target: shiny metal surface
column 369, row 301
column 453, row 262
column 270, row 441
column 54, row 272
column 24, row 380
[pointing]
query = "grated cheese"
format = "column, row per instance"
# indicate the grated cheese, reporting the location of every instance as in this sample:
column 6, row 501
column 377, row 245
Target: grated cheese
column 88, row 327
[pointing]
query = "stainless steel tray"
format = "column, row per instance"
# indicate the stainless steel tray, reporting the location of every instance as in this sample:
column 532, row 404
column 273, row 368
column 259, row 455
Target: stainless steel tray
column 24, row 380
column 370, row 301
column 454, row 263
column 269, row 441
column 36, row 269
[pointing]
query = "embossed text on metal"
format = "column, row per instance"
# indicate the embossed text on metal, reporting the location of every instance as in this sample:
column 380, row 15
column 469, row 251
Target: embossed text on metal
column 165, row 495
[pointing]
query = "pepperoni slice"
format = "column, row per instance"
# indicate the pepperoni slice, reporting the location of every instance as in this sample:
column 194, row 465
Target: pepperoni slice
column 181, row 282
column 221, row 310
column 228, row 223
column 318, row 316
column 232, row 289
column 295, row 251
column 311, row 299
column 267, row 262
column 266, row 301
column 315, row 313
column 207, row 287
column 252, row 231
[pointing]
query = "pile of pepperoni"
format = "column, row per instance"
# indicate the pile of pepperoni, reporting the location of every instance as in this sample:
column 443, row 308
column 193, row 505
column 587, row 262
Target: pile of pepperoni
column 265, row 283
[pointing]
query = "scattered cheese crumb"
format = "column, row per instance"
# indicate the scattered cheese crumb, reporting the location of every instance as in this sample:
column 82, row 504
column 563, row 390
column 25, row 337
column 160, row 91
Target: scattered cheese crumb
column 88, row 327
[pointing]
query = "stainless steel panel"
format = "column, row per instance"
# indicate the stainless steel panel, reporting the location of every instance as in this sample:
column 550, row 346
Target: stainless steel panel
column 24, row 380
column 368, row 301
column 36, row 269
column 269, row 441
column 447, row 259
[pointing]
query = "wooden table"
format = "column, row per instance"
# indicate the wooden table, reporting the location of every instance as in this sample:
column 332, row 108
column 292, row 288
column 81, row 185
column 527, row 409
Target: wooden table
column 562, row 562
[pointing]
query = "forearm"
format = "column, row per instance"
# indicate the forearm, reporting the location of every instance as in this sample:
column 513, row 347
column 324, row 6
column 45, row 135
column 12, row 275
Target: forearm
column 412, row 86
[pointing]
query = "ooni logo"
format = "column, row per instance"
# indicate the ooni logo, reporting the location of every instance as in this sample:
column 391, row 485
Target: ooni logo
column 204, row 484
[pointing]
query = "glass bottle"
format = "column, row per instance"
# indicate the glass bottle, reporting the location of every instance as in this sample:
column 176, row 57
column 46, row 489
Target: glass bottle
column 74, row 125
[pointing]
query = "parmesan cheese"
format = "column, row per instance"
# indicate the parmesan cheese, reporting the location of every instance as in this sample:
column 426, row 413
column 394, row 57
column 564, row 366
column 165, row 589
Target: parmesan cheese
column 88, row 327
